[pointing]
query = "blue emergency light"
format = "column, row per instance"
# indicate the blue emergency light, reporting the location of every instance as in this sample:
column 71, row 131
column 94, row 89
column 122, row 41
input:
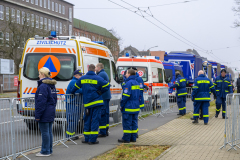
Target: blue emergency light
column 98, row 42
column 127, row 55
column 53, row 33
column 156, row 57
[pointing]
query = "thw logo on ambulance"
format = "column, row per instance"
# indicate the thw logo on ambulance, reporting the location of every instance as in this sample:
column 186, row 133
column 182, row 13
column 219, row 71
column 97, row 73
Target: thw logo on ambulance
column 50, row 62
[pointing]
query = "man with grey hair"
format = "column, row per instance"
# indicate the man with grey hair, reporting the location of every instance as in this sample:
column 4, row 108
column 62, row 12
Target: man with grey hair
column 201, row 96
column 104, row 122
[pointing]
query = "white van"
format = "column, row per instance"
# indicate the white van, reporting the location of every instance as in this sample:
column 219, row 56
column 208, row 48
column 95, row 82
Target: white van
column 63, row 55
column 150, row 69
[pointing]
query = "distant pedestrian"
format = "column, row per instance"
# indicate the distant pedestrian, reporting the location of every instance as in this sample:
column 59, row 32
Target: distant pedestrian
column 45, row 106
column 201, row 96
column 130, row 108
column 73, row 107
column 223, row 87
column 238, row 84
column 104, row 122
column 180, row 85
column 233, row 88
column 93, row 87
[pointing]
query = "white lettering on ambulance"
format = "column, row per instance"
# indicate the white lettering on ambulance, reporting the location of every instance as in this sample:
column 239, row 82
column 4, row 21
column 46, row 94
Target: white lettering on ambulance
column 52, row 42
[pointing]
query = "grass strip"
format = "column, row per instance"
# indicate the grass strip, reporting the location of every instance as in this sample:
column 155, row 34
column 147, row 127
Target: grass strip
column 131, row 151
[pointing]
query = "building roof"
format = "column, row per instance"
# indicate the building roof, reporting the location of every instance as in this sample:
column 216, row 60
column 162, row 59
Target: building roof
column 77, row 23
column 67, row 2
column 134, row 51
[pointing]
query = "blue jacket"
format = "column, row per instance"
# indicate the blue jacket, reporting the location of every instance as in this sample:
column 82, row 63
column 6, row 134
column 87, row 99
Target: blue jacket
column 90, row 84
column 103, row 74
column 131, row 96
column 223, row 86
column 180, row 85
column 45, row 100
column 141, row 84
column 73, row 98
column 202, row 88
column 71, row 85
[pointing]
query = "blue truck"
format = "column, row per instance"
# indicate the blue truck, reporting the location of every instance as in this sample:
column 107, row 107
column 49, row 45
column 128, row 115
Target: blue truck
column 189, row 63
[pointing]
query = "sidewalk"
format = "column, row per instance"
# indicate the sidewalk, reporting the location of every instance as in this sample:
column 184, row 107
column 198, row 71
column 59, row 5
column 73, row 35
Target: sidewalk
column 85, row 151
column 191, row 141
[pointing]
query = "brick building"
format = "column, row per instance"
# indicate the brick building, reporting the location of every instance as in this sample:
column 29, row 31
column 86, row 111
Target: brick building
column 97, row 33
column 44, row 15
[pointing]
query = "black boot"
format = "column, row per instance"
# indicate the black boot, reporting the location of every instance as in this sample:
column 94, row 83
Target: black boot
column 83, row 141
column 192, row 118
column 91, row 143
column 101, row 135
column 122, row 141
column 180, row 114
column 107, row 134
column 205, row 123
column 201, row 118
column 195, row 121
column 133, row 141
column 216, row 115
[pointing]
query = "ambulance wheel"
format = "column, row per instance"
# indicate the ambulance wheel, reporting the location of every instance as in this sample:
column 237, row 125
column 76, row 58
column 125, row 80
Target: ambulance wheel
column 116, row 117
column 31, row 124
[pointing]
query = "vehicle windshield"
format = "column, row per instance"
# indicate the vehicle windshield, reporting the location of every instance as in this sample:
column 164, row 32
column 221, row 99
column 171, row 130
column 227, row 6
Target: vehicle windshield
column 142, row 71
column 169, row 73
column 65, row 69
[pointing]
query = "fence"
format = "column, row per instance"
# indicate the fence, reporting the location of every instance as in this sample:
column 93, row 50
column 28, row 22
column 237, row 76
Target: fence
column 19, row 132
column 232, row 122
column 8, row 83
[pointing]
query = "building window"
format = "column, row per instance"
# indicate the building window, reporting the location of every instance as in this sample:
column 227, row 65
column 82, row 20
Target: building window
column 23, row 17
column 7, row 13
column 93, row 38
column 49, row 4
column 45, row 23
column 18, row 17
column 32, row 1
column 27, row 0
column 79, row 34
column 70, row 30
column 1, row 38
column 40, row 3
column 52, row 6
column 28, row 19
column 60, row 8
column 36, row 2
column 63, row 9
column 53, row 25
column 1, row 12
column 57, row 26
column 7, row 39
column 45, row 4
column 70, row 14
column 41, row 22
column 37, row 21
column 32, row 20
column 56, row 7
column 13, row 14
column 60, row 28
column 49, row 24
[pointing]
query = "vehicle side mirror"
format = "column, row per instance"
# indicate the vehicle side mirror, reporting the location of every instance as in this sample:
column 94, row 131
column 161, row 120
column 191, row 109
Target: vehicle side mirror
column 120, row 80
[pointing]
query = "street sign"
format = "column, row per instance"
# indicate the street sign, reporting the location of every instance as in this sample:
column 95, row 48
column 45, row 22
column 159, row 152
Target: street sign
column 15, row 80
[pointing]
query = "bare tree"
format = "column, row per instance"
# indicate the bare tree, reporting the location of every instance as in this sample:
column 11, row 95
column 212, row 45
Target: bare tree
column 237, row 13
column 15, row 33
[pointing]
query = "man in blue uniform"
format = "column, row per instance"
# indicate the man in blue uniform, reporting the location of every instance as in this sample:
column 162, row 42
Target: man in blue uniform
column 201, row 96
column 223, row 87
column 73, row 106
column 93, row 86
column 181, row 93
column 130, row 108
column 104, row 122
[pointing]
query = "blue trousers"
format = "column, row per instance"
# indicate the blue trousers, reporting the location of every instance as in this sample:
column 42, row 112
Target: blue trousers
column 130, row 126
column 73, row 113
column 47, row 137
column 203, row 105
column 91, row 123
column 104, row 122
column 221, row 101
column 181, row 102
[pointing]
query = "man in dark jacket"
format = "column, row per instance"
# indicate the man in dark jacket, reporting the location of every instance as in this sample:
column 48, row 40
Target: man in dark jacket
column 223, row 87
column 201, row 96
column 130, row 108
column 238, row 84
column 104, row 122
column 93, row 87
column 181, row 93
column 73, row 106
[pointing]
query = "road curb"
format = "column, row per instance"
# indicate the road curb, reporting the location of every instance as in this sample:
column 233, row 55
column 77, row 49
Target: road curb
column 165, row 152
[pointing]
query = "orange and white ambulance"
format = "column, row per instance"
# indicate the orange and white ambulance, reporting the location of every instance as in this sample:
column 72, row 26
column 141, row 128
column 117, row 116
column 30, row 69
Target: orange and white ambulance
column 63, row 55
column 150, row 69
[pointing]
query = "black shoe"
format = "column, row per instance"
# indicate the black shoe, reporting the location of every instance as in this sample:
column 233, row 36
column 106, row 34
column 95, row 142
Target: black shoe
column 73, row 138
column 122, row 141
column 192, row 118
column 180, row 114
column 101, row 135
column 195, row 121
column 107, row 133
column 83, row 141
column 201, row 118
column 216, row 115
column 91, row 143
column 225, row 117
column 137, row 135
column 205, row 123
column 133, row 141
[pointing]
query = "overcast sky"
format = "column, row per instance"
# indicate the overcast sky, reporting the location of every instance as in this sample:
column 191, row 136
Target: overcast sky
column 205, row 23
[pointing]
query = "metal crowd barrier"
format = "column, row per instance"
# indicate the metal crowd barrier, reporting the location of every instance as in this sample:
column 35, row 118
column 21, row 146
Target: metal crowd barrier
column 148, row 108
column 189, row 92
column 232, row 122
